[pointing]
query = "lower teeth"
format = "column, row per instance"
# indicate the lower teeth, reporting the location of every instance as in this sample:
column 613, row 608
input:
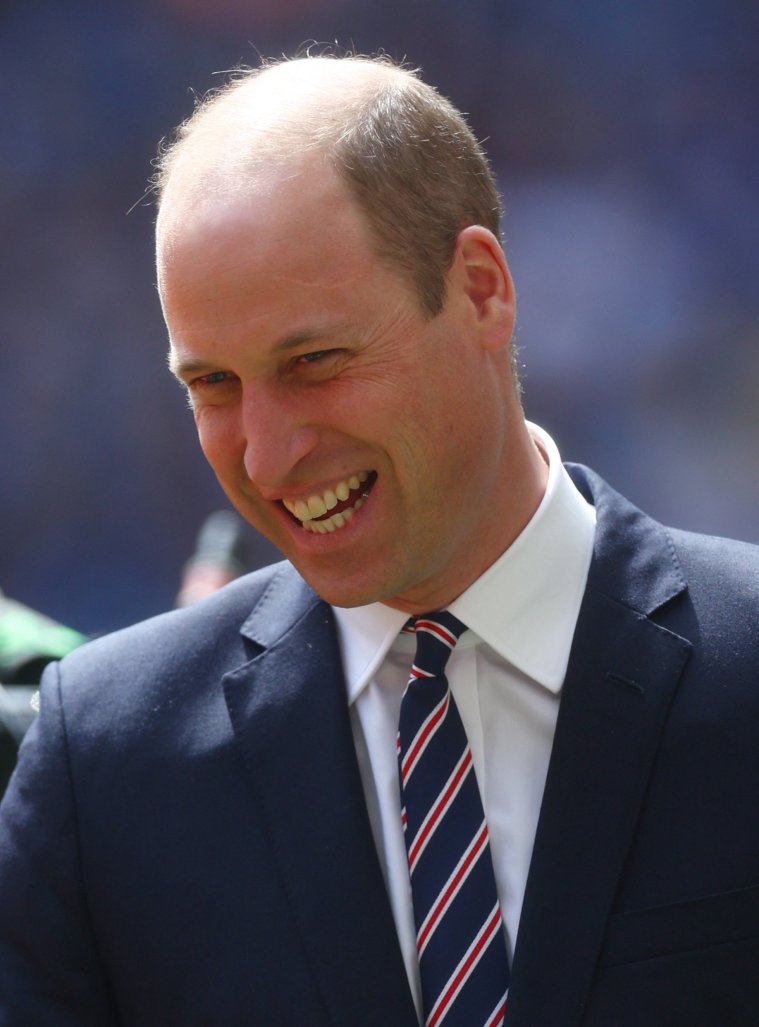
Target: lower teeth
column 336, row 521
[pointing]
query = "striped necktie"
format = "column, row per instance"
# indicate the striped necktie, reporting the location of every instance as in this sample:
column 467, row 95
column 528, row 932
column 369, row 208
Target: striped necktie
column 460, row 935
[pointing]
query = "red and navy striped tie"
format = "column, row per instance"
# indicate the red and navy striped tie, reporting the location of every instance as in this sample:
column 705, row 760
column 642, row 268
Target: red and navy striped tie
column 460, row 934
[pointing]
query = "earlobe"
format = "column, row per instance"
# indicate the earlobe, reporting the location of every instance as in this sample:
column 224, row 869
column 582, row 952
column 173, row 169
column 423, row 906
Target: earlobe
column 487, row 283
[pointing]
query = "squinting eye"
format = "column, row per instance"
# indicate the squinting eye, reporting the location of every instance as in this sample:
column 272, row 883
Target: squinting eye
column 312, row 358
column 214, row 378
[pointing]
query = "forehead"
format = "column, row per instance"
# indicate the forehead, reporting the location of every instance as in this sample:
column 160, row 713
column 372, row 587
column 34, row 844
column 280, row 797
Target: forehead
column 299, row 217
column 285, row 256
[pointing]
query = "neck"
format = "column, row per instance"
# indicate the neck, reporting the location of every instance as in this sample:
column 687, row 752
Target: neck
column 525, row 477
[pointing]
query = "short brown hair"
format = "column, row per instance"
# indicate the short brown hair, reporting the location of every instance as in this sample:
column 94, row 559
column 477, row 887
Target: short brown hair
column 408, row 158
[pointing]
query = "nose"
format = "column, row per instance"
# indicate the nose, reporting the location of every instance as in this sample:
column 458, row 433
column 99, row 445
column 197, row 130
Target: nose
column 277, row 433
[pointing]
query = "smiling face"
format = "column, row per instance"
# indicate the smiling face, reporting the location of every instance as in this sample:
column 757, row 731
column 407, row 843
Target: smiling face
column 381, row 451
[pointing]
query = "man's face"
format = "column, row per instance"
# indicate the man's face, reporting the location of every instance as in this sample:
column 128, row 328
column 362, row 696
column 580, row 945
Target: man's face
column 366, row 441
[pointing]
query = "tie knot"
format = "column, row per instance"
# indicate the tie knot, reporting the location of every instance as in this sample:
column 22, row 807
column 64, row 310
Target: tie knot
column 436, row 635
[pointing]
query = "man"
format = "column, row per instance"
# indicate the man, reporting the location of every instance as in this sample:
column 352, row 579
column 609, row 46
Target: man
column 205, row 825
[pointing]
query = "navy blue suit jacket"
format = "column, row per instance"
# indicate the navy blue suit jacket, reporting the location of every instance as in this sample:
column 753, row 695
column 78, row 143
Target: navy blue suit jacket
column 186, row 842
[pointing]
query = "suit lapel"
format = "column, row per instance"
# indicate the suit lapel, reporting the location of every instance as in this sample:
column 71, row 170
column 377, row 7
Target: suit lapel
column 622, row 675
column 290, row 717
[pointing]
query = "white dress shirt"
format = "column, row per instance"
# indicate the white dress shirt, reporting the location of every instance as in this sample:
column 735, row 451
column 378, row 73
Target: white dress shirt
column 505, row 674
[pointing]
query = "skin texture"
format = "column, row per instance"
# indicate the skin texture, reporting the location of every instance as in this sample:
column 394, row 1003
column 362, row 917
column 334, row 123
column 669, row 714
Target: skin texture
column 307, row 361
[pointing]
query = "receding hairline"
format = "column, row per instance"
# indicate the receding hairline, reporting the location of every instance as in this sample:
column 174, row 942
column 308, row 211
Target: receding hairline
column 404, row 153
column 264, row 117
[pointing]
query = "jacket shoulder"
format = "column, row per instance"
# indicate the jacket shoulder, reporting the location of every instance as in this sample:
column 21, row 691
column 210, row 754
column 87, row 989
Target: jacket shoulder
column 723, row 594
column 723, row 561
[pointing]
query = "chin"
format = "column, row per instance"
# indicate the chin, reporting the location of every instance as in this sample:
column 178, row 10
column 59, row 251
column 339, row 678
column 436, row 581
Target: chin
column 343, row 593
column 344, row 597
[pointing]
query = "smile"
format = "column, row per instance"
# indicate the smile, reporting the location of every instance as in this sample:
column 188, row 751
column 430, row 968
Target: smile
column 333, row 508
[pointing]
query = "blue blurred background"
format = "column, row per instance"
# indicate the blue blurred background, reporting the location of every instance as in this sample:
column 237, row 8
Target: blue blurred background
column 625, row 139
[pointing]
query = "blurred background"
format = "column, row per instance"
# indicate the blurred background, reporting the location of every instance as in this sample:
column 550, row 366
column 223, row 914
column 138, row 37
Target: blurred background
column 625, row 138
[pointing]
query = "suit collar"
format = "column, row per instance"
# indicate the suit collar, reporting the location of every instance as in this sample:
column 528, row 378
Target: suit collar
column 622, row 675
column 628, row 541
column 286, row 599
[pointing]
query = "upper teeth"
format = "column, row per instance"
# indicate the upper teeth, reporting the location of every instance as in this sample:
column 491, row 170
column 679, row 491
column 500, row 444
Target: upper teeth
column 306, row 510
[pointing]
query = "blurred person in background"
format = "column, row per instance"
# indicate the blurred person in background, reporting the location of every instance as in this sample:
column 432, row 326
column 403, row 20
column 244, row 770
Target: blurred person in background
column 206, row 821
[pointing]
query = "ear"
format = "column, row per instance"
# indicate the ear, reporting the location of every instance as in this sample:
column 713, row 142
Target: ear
column 486, row 282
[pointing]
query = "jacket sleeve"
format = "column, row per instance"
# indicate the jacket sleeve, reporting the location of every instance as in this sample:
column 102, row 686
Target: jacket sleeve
column 50, row 971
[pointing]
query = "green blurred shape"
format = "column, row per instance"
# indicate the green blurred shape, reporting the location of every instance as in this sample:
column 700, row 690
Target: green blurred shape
column 29, row 640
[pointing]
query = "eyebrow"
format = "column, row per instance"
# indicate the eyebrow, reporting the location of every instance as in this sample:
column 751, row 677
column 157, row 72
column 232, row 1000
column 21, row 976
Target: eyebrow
column 184, row 368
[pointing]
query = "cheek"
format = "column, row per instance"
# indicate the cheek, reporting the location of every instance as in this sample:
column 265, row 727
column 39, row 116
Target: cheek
column 219, row 440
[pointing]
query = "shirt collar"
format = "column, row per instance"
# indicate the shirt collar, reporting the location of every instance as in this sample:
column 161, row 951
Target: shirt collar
column 524, row 606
